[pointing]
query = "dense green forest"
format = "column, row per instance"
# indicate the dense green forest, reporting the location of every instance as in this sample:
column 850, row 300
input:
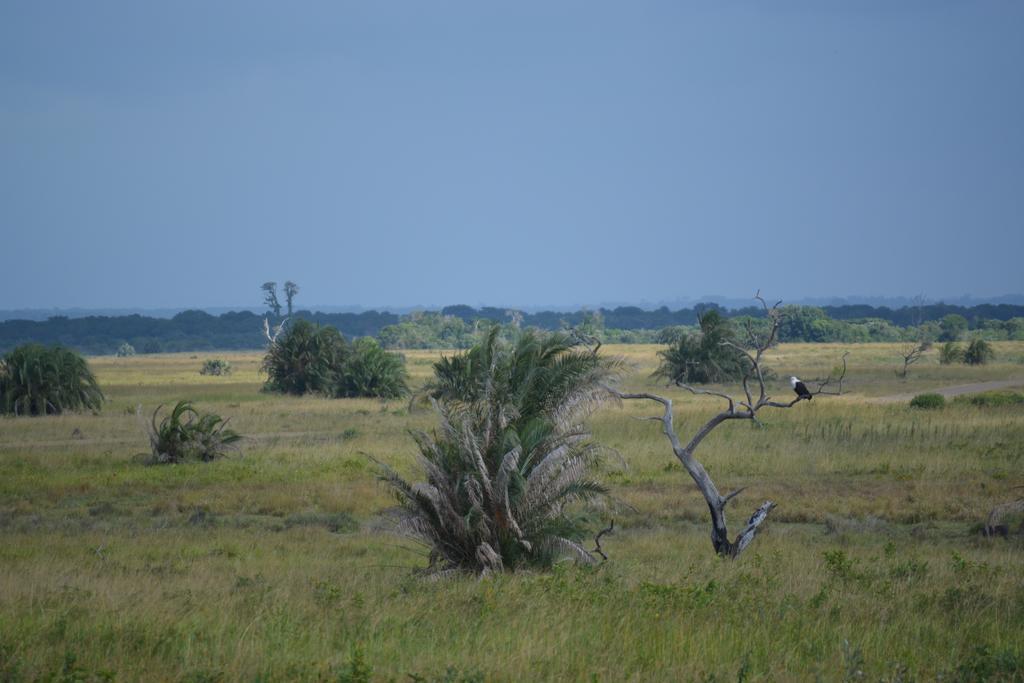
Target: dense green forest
column 456, row 326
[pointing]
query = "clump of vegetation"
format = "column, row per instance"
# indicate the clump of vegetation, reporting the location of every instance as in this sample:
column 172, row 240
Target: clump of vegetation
column 369, row 370
column 126, row 350
column 510, row 455
column 993, row 399
column 705, row 357
column 979, row 352
column 186, row 434
column 41, row 380
column 951, row 353
column 928, row 401
column 308, row 358
column 215, row 367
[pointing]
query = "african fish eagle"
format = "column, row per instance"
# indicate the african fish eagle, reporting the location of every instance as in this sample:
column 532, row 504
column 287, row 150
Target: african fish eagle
column 800, row 388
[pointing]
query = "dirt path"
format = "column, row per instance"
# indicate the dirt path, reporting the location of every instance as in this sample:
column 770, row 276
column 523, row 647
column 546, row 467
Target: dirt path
column 955, row 390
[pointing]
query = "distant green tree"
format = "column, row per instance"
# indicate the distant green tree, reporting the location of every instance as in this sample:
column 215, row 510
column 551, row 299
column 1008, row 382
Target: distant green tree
column 40, row 380
column 290, row 290
column 953, row 327
column 979, row 352
column 125, row 350
column 705, row 357
column 270, row 297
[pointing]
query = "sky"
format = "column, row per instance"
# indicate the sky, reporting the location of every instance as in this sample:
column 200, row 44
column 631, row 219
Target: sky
column 508, row 153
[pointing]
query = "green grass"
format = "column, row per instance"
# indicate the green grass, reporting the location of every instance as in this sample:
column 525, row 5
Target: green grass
column 273, row 565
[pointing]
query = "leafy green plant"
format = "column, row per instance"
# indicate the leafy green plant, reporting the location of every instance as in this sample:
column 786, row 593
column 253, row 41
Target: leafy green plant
column 950, row 353
column 979, row 352
column 369, row 370
column 126, row 350
column 991, row 399
column 304, row 359
column 215, row 367
column 40, row 380
column 308, row 358
column 186, row 434
column 510, row 456
column 928, row 401
column 705, row 357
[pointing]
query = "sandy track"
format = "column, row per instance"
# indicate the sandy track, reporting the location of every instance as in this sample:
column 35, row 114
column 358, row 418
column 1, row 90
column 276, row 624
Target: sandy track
column 955, row 390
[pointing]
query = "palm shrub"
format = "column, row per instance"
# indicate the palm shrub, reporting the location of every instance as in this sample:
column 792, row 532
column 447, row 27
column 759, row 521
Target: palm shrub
column 369, row 370
column 215, row 367
column 950, row 353
column 978, row 352
column 186, row 434
column 305, row 359
column 704, row 357
column 41, row 380
column 308, row 358
column 510, row 456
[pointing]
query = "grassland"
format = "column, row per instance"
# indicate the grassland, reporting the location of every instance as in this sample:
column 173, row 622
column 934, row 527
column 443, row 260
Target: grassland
column 276, row 564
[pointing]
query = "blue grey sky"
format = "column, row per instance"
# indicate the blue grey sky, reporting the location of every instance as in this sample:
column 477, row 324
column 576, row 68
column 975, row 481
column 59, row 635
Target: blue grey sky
column 508, row 153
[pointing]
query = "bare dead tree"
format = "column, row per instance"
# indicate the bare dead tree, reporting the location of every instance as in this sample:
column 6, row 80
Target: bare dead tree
column 911, row 353
column 755, row 398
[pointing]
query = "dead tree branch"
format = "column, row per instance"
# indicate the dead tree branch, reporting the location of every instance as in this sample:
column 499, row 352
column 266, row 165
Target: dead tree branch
column 272, row 338
column 597, row 540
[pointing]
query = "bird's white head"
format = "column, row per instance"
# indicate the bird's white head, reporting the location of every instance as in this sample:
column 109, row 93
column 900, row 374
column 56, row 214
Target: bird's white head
column 793, row 381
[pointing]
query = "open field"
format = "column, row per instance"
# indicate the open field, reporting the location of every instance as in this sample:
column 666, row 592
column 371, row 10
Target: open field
column 275, row 565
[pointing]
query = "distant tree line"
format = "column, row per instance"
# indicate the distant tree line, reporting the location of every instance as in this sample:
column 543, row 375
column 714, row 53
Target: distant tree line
column 458, row 326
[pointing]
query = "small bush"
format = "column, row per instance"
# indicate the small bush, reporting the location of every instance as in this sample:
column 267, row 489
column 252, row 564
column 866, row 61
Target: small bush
column 215, row 367
column 951, row 353
column 126, row 350
column 928, row 401
column 979, row 352
column 40, row 380
column 312, row 359
column 186, row 434
column 371, row 371
column 991, row 399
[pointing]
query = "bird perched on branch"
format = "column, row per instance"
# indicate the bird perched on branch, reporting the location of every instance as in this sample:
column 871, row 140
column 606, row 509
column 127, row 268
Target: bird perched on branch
column 800, row 388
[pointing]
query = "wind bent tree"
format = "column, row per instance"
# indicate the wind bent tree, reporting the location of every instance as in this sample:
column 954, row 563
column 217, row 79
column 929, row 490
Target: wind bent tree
column 755, row 398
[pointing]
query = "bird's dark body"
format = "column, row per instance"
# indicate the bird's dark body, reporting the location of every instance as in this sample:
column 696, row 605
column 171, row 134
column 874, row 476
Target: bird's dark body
column 802, row 391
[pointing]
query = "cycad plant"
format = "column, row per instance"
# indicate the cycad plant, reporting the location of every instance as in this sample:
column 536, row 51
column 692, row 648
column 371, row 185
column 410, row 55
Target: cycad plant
column 186, row 434
column 40, row 380
column 510, row 455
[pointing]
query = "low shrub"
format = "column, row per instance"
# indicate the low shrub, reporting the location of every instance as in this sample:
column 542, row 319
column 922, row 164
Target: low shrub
column 950, row 353
column 215, row 367
column 186, row 434
column 41, row 380
column 126, row 350
column 370, row 371
column 979, row 352
column 989, row 399
column 928, row 401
